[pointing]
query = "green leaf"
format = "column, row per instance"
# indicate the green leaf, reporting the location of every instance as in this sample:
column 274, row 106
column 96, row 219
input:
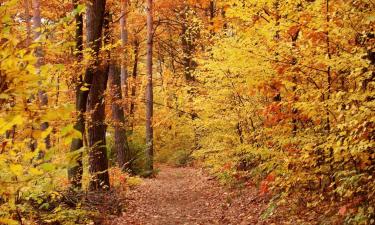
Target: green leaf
column 84, row 88
column 48, row 167
column 8, row 221
column 35, row 171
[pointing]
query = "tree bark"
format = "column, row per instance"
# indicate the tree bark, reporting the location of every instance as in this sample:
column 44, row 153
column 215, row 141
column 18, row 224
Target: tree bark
column 98, row 71
column 37, row 25
column 187, row 43
column 329, row 76
column 75, row 172
column 118, row 118
column 28, row 25
column 149, row 91
column 212, row 16
column 134, row 82
column 187, row 46
column 124, row 60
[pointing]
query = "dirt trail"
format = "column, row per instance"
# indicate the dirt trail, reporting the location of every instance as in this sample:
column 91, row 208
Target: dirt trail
column 187, row 196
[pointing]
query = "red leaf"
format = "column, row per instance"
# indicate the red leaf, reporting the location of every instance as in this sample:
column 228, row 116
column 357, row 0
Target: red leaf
column 343, row 210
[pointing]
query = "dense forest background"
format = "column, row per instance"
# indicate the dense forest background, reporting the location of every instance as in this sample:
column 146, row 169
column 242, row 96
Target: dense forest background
column 276, row 95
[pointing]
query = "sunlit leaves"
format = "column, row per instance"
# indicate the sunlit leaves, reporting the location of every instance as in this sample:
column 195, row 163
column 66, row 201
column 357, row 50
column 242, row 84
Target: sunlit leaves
column 290, row 81
column 28, row 170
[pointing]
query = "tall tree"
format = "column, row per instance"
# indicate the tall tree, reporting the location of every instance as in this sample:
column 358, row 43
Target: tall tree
column 75, row 172
column 98, row 71
column 188, row 36
column 37, row 26
column 149, row 91
column 134, row 81
column 124, row 42
column 27, row 18
column 120, row 92
column 121, row 142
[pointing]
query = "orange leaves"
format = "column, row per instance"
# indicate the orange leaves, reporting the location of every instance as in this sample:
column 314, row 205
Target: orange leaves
column 217, row 24
column 350, row 207
column 264, row 187
column 273, row 87
column 293, row 32
column 255, row 18
column 305, row 18
column 281, row 69
column 291, row 148
column 227, row 166
column 316, row 37
column 273, row 114
column 343, row 210
column 118, row 179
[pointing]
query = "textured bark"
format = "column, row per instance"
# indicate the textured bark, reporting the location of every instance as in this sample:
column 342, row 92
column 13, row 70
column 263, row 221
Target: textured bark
column 37, row 25
column 187, row 39
column 212, row 11
column 212, row 16
column 134, row 79
column 98, row 161
column 329, row 75
column 118, row 118
column 27, row 19
column 149, row 91
column 75, row 172
column 124, row 60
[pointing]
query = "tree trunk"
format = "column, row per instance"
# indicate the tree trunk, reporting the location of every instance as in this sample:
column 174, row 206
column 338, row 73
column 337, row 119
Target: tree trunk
column 98, row 71
column 124, row 60
column 37, row 25
column 329, row 75
column 121, row 142
column 27, row 18
column 134, row 82
column 187, row 47
column 75, row 172
column 149, row 92
column 212, row 16
column 188, row 37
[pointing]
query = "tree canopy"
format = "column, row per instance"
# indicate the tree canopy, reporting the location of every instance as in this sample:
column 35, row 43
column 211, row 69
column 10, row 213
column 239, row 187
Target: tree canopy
column 269, row 94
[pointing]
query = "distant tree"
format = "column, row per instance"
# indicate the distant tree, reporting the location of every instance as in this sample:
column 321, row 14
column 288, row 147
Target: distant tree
column 149, row 91
column 37, row 26
column 75, row 172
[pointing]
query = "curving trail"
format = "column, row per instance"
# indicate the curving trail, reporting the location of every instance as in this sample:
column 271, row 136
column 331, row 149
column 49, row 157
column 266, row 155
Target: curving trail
column 187, row 196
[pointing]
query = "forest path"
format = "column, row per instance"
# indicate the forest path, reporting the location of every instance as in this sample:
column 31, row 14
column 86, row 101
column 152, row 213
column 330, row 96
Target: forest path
column 187, row 196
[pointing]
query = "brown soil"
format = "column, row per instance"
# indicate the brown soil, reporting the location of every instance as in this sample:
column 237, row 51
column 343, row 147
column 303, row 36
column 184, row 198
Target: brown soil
column 189, row 196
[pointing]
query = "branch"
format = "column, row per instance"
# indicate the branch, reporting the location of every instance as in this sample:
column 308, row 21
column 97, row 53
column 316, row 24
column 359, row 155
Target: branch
column 286, row 62
column 193, row 115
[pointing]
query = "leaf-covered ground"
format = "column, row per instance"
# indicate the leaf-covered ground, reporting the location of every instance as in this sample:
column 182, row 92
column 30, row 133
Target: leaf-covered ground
column 189, row 196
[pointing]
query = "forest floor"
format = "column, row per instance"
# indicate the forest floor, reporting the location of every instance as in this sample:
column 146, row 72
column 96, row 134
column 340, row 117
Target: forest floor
column 187, row 195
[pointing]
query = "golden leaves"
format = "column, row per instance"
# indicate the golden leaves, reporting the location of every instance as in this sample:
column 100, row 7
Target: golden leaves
column 16, row 169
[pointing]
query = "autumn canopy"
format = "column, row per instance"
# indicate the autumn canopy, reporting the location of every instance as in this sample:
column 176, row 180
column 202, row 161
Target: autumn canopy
column 272, row 97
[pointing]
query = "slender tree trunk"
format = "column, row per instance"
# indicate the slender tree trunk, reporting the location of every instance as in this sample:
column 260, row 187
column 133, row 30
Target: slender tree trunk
column 121, row 84
column 37, row 25
column 121, row 142
column 188, row 36
column 99, row 73
column 134, row 82
column 187, row 47
column 212, row 11
column 75, row 172
column 124, row 60
column 149, row 91
column 212, row 16
column 329, row 76
column 28, row 25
